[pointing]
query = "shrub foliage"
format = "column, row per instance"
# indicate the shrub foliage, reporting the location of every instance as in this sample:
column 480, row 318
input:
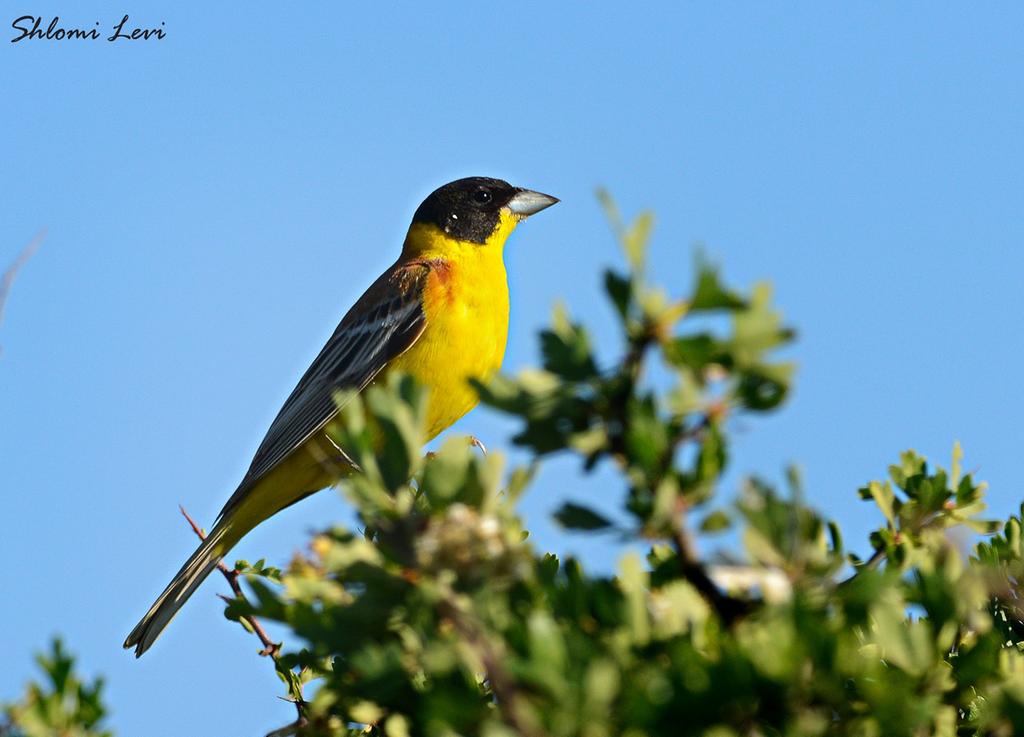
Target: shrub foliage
column 63, row 705
column 440, row 617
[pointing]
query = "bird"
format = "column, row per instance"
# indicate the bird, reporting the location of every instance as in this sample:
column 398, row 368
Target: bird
column 439, row 313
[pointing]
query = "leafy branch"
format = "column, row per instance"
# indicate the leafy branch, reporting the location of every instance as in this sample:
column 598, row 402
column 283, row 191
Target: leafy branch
column 270, row 649
column 62, row 704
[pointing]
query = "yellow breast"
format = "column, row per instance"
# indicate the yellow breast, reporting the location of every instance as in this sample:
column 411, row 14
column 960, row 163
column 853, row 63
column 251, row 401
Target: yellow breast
column 466, row 306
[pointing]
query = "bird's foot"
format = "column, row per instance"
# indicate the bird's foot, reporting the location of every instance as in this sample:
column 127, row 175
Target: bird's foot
column 473, row 441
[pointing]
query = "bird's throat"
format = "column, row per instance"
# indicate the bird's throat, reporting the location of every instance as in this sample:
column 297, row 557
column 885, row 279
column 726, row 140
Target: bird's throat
column 429, row 241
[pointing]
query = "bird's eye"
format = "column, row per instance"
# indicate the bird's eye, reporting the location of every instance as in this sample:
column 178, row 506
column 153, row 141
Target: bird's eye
column 481, row 197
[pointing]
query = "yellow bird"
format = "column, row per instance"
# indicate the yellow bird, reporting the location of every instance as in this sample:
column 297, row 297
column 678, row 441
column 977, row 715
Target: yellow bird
column 440, row 313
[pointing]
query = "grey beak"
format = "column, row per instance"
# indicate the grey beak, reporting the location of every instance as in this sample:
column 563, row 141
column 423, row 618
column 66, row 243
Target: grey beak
column 526, row 202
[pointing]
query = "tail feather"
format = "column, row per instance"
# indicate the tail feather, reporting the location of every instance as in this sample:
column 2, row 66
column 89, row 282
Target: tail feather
column 294, row 478
column 181, row 587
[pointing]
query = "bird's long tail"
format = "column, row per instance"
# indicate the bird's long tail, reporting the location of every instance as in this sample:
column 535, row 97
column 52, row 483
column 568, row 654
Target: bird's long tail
column 293, row 479
column 182, row 586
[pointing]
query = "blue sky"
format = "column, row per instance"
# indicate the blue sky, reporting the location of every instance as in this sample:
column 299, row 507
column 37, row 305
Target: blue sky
column 217, row 199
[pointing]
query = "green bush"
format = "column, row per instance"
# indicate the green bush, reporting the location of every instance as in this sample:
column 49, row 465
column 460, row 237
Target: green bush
column 441, row 618
column 62, row 706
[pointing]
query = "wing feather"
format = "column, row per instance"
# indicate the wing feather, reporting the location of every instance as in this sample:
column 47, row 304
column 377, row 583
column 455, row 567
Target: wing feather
column 385, row 322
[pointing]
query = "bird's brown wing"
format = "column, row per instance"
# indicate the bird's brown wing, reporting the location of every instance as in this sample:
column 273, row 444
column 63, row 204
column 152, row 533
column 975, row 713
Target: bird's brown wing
column 382, row 324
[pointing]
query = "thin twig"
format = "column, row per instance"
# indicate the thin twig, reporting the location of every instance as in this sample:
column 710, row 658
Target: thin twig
column 873, row 560
column 728, row 608
column 503, row 685
column 880, row 553
column 270, row 648
column 20, row 260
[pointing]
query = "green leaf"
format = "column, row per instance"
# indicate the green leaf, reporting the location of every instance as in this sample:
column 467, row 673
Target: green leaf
column 709, row 294
column 883, row 496
column 717, row 521
column 446, row 473
column 577, row 517
column 620, row 290
column 764, row 388
column 611, row 210
column 518, row 481
column 647, row 437
column 566, row 349
column 634, row 240
column 955, row 471
column 633, row 580
column 697, row 352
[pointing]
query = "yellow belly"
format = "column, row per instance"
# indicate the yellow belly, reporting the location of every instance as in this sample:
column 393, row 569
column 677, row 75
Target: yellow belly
column 465, row 335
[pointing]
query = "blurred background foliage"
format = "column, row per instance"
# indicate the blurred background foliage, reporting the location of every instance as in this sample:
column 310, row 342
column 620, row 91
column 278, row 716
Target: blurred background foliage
column 62, row 704
column 438, row 617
